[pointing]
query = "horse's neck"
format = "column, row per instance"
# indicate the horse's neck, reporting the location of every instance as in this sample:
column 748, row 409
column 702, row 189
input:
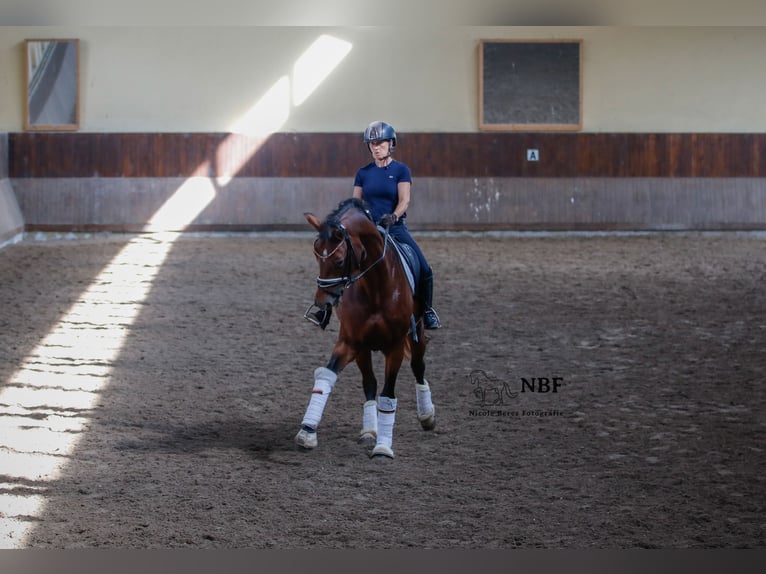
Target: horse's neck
column 378, row 277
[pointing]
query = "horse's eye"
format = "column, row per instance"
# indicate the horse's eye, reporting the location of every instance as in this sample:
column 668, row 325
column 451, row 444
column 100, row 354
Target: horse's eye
column 339, row 263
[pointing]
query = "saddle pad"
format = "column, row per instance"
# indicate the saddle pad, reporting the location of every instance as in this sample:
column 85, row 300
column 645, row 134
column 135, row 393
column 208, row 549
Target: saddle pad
column 407, row 258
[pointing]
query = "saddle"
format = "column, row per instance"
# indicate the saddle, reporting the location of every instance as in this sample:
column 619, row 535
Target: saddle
column 409, row 260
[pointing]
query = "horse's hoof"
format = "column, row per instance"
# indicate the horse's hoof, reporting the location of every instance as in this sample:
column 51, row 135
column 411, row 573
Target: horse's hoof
column 306, row 440
column 382, row 451
column 368, row 437
column 428, row 422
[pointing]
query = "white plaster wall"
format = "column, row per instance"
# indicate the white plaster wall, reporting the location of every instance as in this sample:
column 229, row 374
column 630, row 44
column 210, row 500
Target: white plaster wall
column 204, row 78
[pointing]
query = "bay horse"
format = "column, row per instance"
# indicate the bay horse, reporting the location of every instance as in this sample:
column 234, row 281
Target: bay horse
column 361, row 274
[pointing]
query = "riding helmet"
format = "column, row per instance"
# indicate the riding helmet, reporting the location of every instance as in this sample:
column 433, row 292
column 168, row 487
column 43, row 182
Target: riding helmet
column 380, row 131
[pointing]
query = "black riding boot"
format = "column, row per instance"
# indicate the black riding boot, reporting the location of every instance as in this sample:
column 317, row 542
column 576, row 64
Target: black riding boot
column 430, row 318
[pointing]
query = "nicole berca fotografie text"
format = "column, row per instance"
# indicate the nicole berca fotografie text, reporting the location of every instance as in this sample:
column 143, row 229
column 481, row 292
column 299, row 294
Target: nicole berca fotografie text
column 494, row 397
column 515, row 413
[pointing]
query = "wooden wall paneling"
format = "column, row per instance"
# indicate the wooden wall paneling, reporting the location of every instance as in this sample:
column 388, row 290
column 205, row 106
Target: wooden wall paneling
column 744, row 153
column 642, row 158
column 449, row 155
column 594, row 156
column 563, row 162
column 664, row 154
column 679, row 164
column 436, row 155
column 496, row 157
column 704, row 159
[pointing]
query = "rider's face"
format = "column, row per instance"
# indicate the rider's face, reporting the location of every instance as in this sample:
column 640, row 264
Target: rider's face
column 380, row 149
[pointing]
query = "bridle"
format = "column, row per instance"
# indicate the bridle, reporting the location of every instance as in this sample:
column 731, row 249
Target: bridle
column 330, row 284
column 335, row 286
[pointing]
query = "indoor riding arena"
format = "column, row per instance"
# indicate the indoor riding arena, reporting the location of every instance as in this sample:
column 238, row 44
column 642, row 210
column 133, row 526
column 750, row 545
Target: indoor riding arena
column 591, row 199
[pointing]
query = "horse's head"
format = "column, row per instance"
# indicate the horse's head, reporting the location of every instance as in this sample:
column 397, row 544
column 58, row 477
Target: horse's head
column 339, row 249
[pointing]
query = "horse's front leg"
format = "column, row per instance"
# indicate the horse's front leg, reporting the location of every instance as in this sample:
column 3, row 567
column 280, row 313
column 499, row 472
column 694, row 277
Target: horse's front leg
column 387, row 405
column 324, row 382
column 369, row 432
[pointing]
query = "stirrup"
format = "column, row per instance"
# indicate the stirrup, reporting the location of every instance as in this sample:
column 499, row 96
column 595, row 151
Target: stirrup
column 320, row 317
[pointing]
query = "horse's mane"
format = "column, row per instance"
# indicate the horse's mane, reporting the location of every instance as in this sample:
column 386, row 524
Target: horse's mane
column 332, row 221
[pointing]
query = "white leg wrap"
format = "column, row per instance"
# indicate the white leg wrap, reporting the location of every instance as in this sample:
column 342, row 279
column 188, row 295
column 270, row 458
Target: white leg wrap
column 386, row 417
column 324, row 381
column 423, row 394
column 370, row 419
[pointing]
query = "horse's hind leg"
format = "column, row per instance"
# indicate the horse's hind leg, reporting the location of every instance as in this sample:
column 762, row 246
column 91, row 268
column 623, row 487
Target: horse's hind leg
column 387, row 405
column 426, row 410
column 369, row 432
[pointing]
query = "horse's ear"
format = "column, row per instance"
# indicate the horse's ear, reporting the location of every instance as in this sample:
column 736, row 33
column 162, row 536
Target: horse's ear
column 313, row 220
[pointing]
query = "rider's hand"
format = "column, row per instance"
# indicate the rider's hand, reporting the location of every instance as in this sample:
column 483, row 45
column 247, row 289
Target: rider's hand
column 389, row 219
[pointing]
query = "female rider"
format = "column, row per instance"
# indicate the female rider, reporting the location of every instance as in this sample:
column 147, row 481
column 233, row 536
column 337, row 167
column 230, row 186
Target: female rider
column 384, row 184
